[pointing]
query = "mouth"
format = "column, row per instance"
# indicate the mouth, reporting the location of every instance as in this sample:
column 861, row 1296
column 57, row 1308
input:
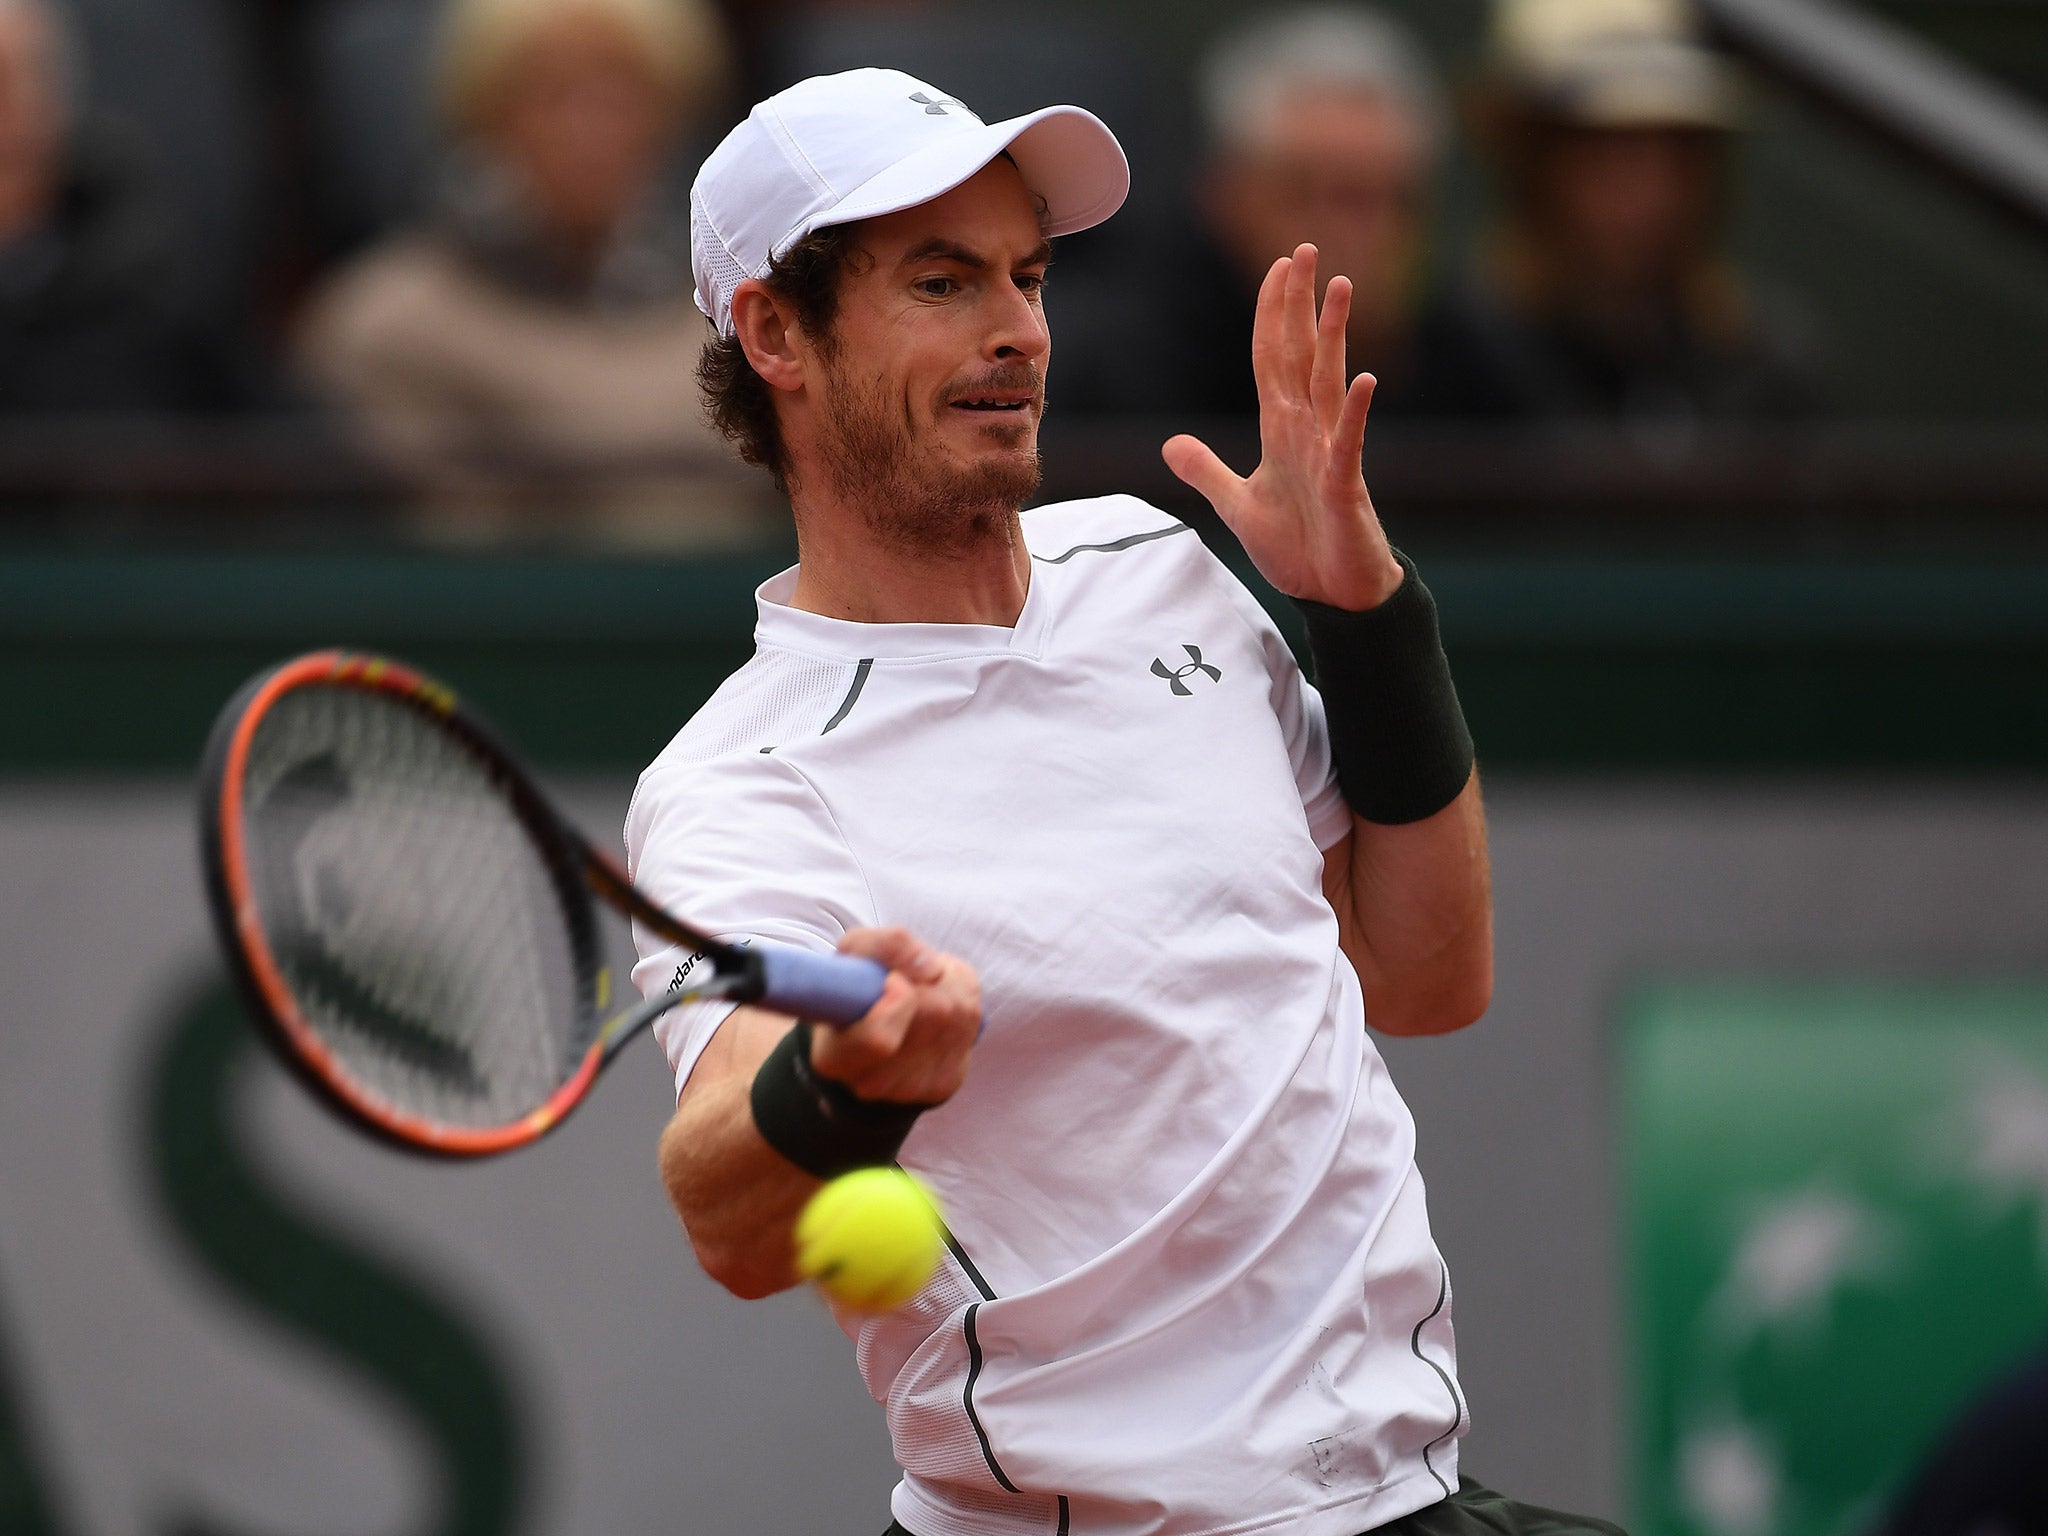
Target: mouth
column 999, row 404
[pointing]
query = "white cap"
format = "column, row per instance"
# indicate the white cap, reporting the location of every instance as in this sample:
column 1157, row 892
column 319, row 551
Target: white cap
column 837, row 148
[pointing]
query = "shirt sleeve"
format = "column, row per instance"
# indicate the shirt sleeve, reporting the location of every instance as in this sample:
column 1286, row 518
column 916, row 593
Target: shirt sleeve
column 1299, row 709
column 743, row 848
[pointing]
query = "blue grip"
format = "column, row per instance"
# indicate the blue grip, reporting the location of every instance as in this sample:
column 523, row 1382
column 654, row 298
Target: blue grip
column 827, row 989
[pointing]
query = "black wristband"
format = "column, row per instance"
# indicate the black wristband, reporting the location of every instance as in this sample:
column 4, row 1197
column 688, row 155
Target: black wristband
column 1397, row 734
column 824, row 1127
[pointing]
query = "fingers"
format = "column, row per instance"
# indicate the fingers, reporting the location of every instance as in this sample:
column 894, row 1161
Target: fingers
column 1348, row 438
column 897, row 948
column 913, row 1045
column 1326, row 377
column 1269, row 371
column 1195, row 462
column 1297, row 352
column 1298, row 321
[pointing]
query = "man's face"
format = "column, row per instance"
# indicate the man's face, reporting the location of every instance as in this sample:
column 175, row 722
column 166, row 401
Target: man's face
column 1348, row 172
column 934, row 374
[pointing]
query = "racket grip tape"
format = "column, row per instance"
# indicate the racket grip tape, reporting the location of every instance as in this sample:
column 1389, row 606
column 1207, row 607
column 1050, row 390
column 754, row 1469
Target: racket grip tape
column 829, row 989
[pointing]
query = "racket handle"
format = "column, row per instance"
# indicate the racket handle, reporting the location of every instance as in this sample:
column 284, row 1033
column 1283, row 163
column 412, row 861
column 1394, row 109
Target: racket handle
column 827, row 989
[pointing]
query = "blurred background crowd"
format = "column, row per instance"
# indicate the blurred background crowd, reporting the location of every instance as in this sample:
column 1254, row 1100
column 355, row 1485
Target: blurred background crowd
column 421, row 266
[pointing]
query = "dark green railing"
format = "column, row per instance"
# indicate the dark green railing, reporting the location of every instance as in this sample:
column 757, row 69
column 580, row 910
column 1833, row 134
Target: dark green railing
column 117, row 662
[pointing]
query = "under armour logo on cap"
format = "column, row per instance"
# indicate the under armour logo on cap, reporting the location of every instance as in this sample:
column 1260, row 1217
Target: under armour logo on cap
column 1179, row 678
column 935, row 106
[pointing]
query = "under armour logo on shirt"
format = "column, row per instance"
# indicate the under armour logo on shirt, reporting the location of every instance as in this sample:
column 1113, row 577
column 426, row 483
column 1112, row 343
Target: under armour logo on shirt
column 934, row 107
column 1178, row 678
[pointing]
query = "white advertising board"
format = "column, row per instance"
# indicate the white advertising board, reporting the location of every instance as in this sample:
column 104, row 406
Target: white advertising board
column 222, row 1313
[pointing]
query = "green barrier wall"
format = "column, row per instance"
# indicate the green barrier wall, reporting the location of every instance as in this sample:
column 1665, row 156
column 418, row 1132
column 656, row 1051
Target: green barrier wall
column 117, row 662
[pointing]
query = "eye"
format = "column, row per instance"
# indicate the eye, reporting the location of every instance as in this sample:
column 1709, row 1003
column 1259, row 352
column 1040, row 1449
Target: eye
column 1031, row 284
column 936, row 287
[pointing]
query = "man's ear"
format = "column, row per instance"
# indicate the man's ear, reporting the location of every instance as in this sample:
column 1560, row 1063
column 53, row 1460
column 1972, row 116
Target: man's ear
column 768, row 334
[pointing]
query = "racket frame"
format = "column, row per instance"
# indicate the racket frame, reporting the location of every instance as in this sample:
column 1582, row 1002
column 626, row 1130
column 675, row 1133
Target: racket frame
column 575, row 870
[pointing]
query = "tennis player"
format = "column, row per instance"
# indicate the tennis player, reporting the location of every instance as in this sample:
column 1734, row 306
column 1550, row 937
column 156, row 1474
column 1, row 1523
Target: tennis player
column 1140, row 886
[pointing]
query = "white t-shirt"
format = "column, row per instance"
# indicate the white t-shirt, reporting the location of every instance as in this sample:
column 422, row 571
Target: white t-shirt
column 1193, row 1288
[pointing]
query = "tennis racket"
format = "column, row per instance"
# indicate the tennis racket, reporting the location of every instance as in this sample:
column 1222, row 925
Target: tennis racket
column 413, row 924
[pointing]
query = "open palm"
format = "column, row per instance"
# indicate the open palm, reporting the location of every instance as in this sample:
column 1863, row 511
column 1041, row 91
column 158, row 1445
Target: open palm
column 1304, row 515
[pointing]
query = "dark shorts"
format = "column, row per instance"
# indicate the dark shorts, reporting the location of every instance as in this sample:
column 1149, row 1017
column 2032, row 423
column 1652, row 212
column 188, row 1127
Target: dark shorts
column 1471, row 1511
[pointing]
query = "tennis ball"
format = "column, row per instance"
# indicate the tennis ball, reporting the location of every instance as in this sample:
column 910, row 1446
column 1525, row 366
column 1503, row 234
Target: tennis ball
column 869, row 1239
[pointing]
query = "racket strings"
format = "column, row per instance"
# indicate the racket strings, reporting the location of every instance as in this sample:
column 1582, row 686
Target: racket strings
column 410, row 910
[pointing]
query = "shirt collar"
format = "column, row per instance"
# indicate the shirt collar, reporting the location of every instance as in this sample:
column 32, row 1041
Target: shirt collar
column 795, row 629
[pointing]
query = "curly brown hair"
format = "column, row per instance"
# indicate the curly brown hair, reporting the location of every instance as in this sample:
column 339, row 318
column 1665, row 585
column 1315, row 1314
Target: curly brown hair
column 741, row 404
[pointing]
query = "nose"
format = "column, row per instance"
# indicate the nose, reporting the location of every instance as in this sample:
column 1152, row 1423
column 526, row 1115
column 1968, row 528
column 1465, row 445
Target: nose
column 1019, row 332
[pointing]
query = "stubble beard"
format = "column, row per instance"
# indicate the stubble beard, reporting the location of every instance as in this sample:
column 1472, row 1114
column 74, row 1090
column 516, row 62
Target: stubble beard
column 918, row 502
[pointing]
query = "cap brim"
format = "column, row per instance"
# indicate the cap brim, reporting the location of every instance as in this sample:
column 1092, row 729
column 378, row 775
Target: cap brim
column 1067, row 156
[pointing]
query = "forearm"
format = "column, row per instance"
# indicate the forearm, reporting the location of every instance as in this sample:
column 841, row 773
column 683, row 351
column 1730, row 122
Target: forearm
column 1410, row 885
column 1409, row 882
column 1415, row 908
column 738, row 1197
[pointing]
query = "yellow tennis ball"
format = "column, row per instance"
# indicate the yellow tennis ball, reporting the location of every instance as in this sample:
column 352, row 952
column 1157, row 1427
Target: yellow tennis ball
column 869, row 1239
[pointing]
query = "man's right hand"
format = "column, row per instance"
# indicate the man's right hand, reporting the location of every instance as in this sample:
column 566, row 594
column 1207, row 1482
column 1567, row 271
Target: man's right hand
column 738, row 1197
column 913, row 1045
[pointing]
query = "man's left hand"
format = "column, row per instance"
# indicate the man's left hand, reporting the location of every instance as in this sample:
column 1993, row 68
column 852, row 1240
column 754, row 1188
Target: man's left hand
column 1304, row 516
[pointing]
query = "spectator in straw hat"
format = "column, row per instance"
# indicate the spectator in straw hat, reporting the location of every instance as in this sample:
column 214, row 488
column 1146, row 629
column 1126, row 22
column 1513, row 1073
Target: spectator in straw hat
column 1605, row 291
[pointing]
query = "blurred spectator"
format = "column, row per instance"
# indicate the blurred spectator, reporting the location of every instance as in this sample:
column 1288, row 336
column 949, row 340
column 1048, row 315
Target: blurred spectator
column 84, row 254
column 1322, row 124
column 1605, row 292
column 529, row 356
